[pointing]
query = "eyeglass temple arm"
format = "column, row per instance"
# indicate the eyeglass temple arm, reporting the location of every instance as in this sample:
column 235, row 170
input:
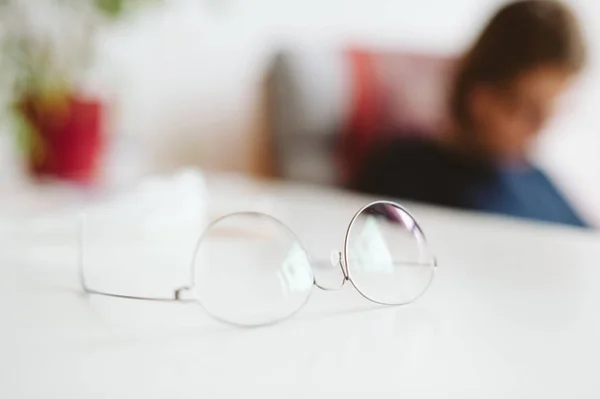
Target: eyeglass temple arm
column 178, row 294
column 345, row 273
column 326, row 264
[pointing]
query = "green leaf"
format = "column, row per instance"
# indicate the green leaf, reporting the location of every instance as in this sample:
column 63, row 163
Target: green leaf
column 112, row 8
column 24, row 130
column 116, row 8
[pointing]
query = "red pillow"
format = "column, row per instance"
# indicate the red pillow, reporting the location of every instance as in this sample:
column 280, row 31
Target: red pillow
column 394, row 94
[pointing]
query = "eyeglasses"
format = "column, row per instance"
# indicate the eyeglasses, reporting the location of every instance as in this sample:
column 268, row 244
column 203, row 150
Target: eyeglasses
column 250, row 269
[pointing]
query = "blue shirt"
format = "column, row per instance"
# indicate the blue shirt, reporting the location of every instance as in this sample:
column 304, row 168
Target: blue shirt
column 424, row 171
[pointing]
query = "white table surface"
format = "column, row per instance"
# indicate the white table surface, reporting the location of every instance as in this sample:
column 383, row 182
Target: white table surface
column 512, row 312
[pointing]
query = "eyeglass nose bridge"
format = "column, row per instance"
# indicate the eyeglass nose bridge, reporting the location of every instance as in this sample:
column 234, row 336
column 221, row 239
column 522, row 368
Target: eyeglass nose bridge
column 336, row 258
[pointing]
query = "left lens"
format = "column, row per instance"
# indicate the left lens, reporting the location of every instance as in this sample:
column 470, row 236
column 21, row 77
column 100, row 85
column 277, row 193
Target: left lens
column 250, row 270
column 387, row 256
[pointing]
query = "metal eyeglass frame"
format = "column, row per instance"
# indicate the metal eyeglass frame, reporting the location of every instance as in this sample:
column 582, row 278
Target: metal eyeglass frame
column 182, row 294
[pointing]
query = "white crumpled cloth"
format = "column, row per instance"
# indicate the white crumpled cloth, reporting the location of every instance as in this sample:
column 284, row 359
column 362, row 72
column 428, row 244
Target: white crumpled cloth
column 160, row 218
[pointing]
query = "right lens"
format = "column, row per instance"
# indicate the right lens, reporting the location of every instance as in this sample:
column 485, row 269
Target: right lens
column 387, row 255
column 250, row 269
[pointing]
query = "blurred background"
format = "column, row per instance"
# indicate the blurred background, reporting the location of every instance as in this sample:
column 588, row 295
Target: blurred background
column 259, row 87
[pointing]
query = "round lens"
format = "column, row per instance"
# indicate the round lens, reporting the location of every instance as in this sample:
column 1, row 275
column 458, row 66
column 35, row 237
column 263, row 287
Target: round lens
column 387, row 255
column 250, row 269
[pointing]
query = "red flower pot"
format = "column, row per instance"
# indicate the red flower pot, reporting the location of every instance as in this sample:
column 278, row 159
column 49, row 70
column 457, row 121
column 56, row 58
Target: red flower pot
column 68, row 138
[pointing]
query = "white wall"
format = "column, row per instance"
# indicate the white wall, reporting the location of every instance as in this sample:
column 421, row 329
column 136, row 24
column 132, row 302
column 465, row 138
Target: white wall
column 187, row 74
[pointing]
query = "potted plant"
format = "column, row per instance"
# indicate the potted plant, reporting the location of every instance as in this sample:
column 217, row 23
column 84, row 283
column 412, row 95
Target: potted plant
column 46, row 47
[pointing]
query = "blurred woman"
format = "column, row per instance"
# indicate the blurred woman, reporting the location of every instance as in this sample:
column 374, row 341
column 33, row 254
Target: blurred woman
column 504, row 93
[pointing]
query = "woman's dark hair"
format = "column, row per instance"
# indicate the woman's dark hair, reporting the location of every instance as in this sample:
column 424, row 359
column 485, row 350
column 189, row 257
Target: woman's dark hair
column 522, row 35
